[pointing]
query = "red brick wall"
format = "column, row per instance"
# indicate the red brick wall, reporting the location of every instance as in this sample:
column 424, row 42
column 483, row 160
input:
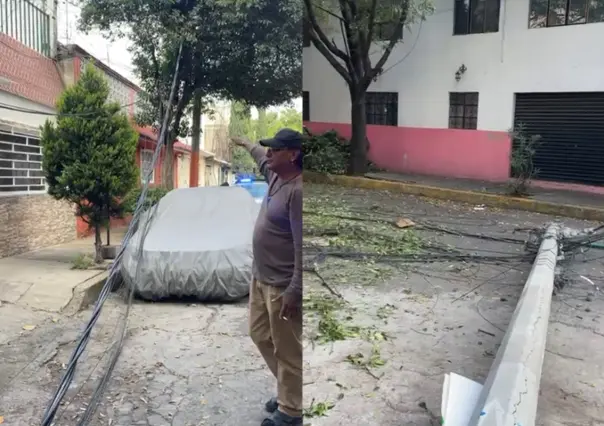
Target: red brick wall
column 32, row 75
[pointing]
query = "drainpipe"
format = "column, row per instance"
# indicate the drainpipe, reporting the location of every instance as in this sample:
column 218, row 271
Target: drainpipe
column 510, row 393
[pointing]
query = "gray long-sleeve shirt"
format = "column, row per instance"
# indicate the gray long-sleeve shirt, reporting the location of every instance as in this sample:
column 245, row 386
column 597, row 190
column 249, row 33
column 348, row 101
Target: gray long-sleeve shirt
column 277, row 241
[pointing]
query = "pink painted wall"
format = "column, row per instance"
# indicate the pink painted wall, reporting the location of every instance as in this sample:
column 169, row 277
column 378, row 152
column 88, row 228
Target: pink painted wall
column 472, row 154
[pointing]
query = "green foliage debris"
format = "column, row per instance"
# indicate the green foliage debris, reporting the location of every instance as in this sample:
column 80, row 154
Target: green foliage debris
column 318, row 409
column 82, row 262
column 374, row 360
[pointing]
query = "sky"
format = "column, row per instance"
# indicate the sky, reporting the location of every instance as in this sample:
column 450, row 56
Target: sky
column 113, row 53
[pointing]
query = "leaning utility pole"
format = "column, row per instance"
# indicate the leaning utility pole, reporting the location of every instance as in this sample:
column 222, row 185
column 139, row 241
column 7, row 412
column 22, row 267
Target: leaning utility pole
column 194, row 169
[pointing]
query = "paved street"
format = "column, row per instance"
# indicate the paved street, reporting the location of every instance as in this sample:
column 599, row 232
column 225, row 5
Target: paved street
column 375, row 357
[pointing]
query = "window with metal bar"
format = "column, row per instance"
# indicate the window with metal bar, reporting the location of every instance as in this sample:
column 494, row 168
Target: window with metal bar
column 29, row 23
column 463, row 110
column 476, row 16
column 305, row 106
column 381, row 108
column 20, row 164
column 555, row 13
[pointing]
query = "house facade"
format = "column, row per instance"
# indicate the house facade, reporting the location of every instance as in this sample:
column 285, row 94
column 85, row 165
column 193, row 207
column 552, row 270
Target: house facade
column 34, row 71
column 29, row 85
column 459, row 81
column 216, row 143
column 72, row 61
column 215, row 159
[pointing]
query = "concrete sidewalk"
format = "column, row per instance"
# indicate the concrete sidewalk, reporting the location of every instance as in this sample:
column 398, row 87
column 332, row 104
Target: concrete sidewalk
column 539, row 194
column 574, row 204
column 44, row 279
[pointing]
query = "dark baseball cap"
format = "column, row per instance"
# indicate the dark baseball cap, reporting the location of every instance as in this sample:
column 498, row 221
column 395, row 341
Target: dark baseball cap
column 284, row 139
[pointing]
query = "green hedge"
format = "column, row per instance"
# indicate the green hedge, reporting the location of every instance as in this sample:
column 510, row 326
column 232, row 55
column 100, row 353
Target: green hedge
column 325, row 153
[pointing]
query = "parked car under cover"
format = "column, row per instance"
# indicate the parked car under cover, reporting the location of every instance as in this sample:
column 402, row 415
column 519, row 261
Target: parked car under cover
column 198, row 244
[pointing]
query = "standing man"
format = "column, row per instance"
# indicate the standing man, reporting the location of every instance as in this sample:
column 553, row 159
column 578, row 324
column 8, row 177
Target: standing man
column 276, row 290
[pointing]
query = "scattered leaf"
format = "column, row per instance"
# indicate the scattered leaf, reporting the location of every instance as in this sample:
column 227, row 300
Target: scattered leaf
column 373, row 361
column 404, row 223
column 318, row 409
column 28, row 327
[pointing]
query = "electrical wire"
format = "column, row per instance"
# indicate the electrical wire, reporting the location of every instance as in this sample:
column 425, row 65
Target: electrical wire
column 421, row 23
column 67, row 378
column 100, row 389
column 568, row 245
column 422, row 225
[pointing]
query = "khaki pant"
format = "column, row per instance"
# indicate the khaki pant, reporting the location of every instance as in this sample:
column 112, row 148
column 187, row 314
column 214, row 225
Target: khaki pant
column 280, row 343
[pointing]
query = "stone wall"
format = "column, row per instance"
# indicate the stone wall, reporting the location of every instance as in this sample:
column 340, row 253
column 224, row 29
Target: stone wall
column 30, row 222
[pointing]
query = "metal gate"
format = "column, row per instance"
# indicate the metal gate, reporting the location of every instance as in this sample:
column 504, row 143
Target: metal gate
column 571, row 126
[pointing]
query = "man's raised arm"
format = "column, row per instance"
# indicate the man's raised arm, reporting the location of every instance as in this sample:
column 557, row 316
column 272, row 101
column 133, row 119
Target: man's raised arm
column 258, row 154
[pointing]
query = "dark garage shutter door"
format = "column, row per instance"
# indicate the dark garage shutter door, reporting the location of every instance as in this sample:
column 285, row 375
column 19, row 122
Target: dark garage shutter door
column 571, row 126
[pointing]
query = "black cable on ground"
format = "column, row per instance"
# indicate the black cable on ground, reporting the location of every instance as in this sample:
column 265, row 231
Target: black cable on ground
column 422, row 225
column 100, row 389
column 67, row 378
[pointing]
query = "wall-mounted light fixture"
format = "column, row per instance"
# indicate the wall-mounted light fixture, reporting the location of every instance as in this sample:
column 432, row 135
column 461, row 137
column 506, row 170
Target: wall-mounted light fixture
column 460, row 72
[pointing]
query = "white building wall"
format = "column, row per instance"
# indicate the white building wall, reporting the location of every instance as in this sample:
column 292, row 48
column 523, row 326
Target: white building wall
column 33, row 121
column 515, row 59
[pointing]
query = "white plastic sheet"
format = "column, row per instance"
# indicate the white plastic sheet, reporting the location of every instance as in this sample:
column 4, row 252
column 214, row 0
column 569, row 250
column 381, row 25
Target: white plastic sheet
column 198, row 244
column 459, row 399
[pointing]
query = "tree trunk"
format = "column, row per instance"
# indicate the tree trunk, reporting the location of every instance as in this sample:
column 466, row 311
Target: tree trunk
column 357, row 165
column 171, row 135
column 196, row 142
column 108, row 226
column 98, row 243
column 168, row 166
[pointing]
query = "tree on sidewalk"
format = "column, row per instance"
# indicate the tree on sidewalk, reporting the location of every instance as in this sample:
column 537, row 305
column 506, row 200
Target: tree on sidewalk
column 367, row 33
column 89, row 153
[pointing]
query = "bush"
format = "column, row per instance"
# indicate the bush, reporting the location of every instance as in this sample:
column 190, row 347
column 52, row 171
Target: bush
column 153, row 197
column 524, row 147
column 325, row 153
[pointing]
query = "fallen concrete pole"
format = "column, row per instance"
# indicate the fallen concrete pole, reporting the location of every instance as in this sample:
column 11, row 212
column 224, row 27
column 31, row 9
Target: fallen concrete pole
column 510, row 393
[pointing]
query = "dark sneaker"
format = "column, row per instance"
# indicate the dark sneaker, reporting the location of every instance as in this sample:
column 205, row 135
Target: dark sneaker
column 281, row 419
column 271, row 405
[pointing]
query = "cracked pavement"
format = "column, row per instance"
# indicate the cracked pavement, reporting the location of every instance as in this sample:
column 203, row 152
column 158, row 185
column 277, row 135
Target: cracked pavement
column 182, row 364
column 193, row 364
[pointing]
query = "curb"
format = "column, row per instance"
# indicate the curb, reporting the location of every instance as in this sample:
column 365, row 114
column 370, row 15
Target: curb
column 86, row 293
column 470, row 197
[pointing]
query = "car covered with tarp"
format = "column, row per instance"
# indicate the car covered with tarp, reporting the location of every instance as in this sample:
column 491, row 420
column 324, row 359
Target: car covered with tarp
column 194, row 243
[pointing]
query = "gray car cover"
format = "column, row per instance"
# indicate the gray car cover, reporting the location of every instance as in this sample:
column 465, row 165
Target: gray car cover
column 198, row 244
